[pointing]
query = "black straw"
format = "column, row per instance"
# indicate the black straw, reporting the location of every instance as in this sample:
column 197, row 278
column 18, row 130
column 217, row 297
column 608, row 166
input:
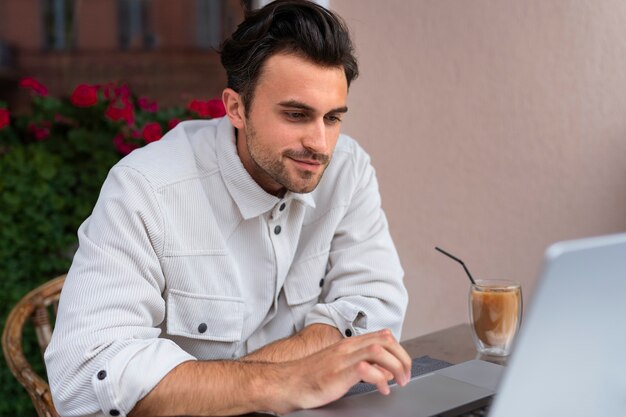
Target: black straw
column 459, row 261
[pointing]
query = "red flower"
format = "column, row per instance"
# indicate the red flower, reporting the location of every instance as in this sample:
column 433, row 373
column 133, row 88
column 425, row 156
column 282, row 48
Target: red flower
column 216, row 108
column 5, row 119
column 122, row 146
column 172, row 123
column 122, row 91
column 211, row 108
column 151, row 132
column 35, row 86
column 40, row 131
column 107, row 89
column 59, row 118
column 121, row 110
column 113, row 91
column 148, row 105
column 84, row 96
column 198, row 107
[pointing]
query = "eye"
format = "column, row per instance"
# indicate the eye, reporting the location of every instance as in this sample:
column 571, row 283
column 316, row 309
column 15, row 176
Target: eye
column 332, row 119
column 295, row 116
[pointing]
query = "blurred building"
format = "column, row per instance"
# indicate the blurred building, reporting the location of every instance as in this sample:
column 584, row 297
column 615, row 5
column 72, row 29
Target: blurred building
column 164, row 49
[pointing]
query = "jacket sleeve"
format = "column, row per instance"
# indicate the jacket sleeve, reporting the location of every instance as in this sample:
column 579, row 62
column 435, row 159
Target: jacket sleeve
column 105, row 354
column 364, row 278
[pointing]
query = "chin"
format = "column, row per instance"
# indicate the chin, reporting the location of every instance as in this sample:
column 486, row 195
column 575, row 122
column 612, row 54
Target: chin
column 302, row 182
column 304, row 188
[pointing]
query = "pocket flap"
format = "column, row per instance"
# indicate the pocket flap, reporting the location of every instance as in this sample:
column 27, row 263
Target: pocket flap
column 305, row 280
column 204, row 317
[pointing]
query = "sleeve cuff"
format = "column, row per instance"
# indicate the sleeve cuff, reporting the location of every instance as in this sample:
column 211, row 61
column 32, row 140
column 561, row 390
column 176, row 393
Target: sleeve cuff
column 133, row 372
column 346, row 317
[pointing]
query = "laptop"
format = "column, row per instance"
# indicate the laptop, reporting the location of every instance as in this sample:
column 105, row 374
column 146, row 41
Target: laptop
column 569, row 359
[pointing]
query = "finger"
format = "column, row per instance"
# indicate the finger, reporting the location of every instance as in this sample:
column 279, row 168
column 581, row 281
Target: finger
column 377, row 354
column 384, row 336
column 350, row 347
column 398, row 351
column 386, row 339
column 373, row 375
column 385, row 372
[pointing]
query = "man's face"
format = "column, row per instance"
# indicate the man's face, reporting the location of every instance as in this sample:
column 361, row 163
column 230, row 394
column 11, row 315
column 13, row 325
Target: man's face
column 288, row 135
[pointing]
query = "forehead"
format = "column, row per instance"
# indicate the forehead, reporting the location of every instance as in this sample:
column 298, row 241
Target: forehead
column 292, row 77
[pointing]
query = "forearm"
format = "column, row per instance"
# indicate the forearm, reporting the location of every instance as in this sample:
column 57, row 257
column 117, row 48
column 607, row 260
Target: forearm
column 211, row 388
column 311, row 339
column 224, row 388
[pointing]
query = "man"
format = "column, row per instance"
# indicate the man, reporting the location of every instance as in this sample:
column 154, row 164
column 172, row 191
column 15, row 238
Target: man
column 239, row 264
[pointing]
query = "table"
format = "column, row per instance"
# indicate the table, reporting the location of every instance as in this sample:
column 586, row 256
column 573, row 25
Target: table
column 454, row 345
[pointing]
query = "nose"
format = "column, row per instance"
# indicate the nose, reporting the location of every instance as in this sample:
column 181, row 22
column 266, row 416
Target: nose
column 315, row 139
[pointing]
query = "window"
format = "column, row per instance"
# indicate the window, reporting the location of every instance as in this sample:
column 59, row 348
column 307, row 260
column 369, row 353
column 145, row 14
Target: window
column 58, row 24
column 135, row 24
column 208, row 23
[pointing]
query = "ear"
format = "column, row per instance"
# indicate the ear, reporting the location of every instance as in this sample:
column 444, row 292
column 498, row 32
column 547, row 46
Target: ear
column 234, row 107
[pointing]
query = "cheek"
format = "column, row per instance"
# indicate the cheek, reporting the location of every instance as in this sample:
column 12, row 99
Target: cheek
column 285, row 137
column 273, row 143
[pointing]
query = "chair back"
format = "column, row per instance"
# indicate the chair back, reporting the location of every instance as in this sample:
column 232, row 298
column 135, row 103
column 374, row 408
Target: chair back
column 36, row 306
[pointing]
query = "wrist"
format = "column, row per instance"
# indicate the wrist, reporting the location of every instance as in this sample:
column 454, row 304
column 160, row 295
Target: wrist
column 269, row 388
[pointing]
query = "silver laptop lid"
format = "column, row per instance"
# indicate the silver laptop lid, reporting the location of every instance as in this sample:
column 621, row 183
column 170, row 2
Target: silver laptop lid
column 570, row 358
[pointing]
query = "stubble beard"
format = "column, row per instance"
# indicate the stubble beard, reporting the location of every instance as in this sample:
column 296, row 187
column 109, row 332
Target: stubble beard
column 277, row 170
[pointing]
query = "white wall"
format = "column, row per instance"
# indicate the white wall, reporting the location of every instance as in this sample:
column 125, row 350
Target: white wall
column 496, row 127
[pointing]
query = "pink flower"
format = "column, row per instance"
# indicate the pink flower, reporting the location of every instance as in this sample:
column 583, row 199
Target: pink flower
column 151, row 132
column 148, row 105
column 5, row 118
column 121, row 109
column 122, row 145
column 35, row 86
column 84, row 96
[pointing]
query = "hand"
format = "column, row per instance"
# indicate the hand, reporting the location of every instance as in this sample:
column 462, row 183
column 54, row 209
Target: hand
column 327, row 375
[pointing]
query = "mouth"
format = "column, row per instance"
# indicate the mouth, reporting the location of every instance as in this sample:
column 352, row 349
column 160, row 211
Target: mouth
column 307, row 164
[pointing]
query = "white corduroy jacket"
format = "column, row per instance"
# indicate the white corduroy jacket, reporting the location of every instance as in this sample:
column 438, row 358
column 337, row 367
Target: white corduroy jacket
column 185, row 258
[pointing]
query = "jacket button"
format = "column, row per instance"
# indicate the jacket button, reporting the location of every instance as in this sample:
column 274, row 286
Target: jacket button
column 102, row 375
column 202, row 327
column 322, row 282
column 114, row 412
column 282, row 207
column 348, row 332
column 277, row 230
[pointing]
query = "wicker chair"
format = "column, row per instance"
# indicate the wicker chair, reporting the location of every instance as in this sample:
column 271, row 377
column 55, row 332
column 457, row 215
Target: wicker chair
column 35, row 305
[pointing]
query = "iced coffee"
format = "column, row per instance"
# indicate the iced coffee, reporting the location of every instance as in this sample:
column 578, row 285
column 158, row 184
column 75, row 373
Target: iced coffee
column 495, row 315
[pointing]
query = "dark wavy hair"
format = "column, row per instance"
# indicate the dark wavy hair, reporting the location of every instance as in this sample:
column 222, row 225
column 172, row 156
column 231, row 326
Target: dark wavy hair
column 298, row 27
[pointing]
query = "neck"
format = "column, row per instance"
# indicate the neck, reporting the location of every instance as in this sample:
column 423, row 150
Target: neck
column 257, row 173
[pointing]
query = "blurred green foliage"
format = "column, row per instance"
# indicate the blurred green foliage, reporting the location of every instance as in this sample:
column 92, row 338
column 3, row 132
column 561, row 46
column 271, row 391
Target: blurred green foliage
column 53, row 162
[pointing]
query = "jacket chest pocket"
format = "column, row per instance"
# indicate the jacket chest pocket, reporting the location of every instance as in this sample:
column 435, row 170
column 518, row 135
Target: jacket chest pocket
column 304, row 286
column 204, row 317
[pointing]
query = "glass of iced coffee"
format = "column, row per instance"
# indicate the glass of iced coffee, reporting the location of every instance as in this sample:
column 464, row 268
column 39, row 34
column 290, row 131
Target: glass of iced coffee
column 495, row 315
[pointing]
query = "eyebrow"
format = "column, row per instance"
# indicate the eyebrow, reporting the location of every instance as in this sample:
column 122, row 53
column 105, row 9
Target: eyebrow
column 299, row 105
